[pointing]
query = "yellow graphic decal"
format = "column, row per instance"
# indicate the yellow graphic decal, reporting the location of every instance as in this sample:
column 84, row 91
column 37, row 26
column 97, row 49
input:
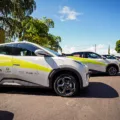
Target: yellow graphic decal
column 87, row 60
column 5, row 61
column 30, row 65
column 8, row 61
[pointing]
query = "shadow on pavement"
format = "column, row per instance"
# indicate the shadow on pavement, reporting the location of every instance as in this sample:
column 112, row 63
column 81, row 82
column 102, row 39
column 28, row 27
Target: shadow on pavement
column 99, row 90
column 5, row 115
column 95, row 90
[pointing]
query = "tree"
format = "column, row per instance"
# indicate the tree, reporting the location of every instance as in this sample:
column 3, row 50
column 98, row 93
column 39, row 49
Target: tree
column 32, row 28
column 12, row 12
column 35, row 30
column 2, row 35
column 16, row 8
column 49, row 22
column 17, row 24
column 54, row 42
column 117, row 48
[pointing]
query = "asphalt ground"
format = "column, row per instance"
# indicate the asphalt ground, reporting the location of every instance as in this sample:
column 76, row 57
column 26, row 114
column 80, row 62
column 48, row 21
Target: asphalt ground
column 100, row 101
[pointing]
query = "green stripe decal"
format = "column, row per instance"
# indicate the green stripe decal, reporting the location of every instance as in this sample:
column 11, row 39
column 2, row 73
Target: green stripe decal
column 87, row 60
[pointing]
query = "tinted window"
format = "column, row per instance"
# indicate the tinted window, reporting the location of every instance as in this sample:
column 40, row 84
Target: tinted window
column 110, row 57
column 52, row 51
column 28, row 46
column 24, row 49
column 79, row 54
column 6, row 49
column 93, row 55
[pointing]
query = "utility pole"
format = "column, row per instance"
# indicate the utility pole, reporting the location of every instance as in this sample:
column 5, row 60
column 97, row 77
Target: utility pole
column 109, row 50
column 95, row 47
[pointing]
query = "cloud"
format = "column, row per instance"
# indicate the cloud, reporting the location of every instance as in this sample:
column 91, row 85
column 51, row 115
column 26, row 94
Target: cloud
column 100, row 49
column 66, row 13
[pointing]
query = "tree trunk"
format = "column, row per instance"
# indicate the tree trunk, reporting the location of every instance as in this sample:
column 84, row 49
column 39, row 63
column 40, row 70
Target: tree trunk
column 2, row 36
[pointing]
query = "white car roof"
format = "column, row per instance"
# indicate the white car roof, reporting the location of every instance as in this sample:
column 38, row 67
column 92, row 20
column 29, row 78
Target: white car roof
column 83, row 51
column 30, row 43
column 15, row 42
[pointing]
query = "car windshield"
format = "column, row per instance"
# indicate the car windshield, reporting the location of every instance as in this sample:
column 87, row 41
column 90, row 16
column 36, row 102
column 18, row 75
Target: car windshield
column 53, row 52
column 110, row 57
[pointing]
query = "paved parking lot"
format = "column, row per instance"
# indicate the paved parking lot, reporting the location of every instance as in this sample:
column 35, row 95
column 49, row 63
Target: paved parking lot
column 100, row 101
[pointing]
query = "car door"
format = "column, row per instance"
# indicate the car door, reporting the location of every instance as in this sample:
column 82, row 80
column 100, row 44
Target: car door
column 81, row 56
column 95, row 62
column 29, row 68
column 6, row 69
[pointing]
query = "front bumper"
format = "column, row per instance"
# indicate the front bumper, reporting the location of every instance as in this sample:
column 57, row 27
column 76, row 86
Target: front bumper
column 86, row 80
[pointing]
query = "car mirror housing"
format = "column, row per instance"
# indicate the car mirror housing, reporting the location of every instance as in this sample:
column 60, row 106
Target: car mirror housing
column 41, row 53
column 104, row 58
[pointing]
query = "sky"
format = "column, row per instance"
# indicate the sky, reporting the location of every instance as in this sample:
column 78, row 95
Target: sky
column 83, row 23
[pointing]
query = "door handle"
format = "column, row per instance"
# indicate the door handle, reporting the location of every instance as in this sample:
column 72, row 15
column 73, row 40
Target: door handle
column 16, row 64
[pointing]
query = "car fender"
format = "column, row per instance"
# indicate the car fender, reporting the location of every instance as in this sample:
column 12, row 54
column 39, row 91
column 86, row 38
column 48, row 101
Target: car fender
column 64, row 68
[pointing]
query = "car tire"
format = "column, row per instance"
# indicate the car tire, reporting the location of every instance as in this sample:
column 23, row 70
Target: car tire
column 112, row 71
column 66, row 85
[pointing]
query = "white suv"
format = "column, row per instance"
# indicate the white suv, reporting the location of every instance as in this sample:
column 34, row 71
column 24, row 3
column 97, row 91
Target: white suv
column 28, row 64
column 96, row 62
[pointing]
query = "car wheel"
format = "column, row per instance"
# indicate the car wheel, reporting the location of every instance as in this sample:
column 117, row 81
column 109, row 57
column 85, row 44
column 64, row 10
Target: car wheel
column 66, row 85
column 112, row 71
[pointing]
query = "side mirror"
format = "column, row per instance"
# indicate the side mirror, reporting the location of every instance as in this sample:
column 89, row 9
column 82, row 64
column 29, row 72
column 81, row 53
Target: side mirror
column 41, row 53
column 117, row 58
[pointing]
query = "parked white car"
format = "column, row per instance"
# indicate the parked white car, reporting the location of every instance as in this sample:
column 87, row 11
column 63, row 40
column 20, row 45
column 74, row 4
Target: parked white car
column 28, row 64
column 112, row 57
column 96, row 62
